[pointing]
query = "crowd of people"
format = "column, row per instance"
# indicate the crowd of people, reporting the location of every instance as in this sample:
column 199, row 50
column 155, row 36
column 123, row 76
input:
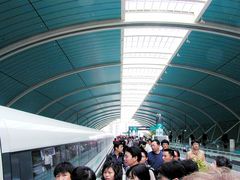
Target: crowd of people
column 148, row 159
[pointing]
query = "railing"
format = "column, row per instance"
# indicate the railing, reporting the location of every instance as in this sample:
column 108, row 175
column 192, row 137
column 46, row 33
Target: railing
column 212, row 153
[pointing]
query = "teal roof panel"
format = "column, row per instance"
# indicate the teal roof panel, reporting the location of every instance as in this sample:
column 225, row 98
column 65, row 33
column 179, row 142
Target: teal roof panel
column 196, row 99
column 57, row 14
column 223, row 12
column 181, row 77
column 101, row 75
column 219, row 113
column 49, row 112
column 207, row 51
column 92, row 48
column 55, row 90
column 161, row 89
column 114, row 88
column 233, row 104
column 9, row 88
column 36, row 64
column 217, row 88
column 80, row 96
column 231, row 69
column 109, row 97
column 18, row 21
column 32, row 102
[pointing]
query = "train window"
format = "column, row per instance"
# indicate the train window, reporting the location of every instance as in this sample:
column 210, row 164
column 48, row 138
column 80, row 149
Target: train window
column 43, row 162
column 57, row 157
column 84, row 153
column 37, row 163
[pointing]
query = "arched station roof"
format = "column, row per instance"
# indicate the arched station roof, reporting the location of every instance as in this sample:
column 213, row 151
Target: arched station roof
column 63, row 59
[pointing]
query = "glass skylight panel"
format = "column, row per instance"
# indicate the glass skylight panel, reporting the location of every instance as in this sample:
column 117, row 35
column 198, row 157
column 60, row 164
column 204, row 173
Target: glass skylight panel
column 163, row 10
column 147, row 51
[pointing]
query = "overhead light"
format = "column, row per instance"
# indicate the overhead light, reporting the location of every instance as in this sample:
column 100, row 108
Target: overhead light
column 146, row 52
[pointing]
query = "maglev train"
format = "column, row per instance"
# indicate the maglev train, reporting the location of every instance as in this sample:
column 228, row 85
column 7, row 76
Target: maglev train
column 32, row 145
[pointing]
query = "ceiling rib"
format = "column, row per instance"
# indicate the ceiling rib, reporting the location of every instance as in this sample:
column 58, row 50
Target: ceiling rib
column 100, row 116
column 99, row 124
column 146, row 113
column 203, row 95
column 68, row 73
column 81, row 102
column 75, row 92
column 153, row 122
column 168, row 114
column 229, row 31
column 190, row 105
column 98, row 109
column 176, row 109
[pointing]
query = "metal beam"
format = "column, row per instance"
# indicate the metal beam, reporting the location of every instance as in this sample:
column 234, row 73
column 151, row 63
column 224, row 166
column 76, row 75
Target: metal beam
column 109, row 108
column 59, row 76
column 154, row 120
column 101, row 114
column 153, row 112
column 151, row 121
column 191, row 132
column 227, row 130
column 79, row 70
column 77, row 91
column 87, row 118
column 83, row 101
column 176, row 109
column 73, row 30
column 202, row 95
column 97, row 125
column 154, row 117
column 94, row 124
column 213, row 133
column 190, row 105
column 99, row 119
column 207, row 130
column 102, row 109
column 104, row 121
column 155, row 123
column 238, row 134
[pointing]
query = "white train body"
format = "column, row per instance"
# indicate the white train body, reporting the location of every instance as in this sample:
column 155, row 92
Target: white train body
column 21, row 131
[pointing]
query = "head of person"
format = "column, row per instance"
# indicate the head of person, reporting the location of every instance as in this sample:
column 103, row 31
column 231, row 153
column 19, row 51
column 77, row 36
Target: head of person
column 142, row 144
column 172, row 170
column 222, row 161
column 138, row 172
column 83, row 173
column 132, row 156
column 118, row 147
column 144, row 156
column 155, row 146
column 190, row 166
column 149, row 141
column 168, row 155
column 111, row 171
column 63, row 171
column 228, row 174
column 176, row 155
column 199, row 176
column 195, row 145
column 165, row 144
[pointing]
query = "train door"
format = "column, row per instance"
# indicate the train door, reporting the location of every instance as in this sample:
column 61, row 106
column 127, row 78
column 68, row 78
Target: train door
column 1, row 168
